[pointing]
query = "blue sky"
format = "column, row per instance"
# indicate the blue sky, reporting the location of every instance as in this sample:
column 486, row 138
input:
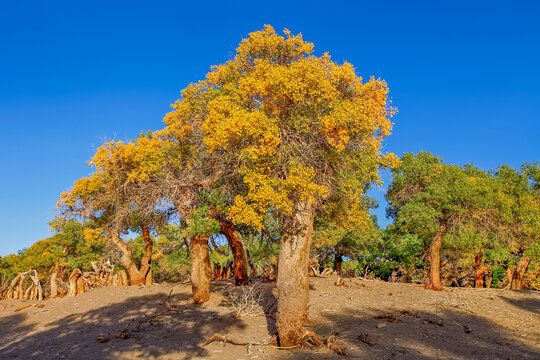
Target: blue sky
column 465, row 76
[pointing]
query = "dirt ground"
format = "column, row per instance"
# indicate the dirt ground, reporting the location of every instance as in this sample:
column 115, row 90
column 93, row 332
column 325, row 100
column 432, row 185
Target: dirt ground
column 369, row 319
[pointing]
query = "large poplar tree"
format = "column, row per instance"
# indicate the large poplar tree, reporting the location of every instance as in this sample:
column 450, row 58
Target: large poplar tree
column 290, row 129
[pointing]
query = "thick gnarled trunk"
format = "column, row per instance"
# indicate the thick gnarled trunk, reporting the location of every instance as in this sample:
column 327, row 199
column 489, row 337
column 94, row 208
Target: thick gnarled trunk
column 292, row 279
column 520, row 270
column 200, row 269
column 435, row 257
column 136, row 276
column 239, row 256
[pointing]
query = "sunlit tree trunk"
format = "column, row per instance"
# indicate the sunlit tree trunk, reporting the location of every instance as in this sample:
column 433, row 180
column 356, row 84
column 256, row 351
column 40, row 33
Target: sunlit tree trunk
column 292, row 279
column 200, row 269
column 54, row 287
column 126, row 260
column 240, row 267
column 142, row 275
column 435, row 257
column 520, row 270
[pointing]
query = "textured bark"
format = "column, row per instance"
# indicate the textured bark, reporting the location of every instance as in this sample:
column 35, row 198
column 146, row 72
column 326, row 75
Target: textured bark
column 240, row 267
column 292, row 279
column 123, row 278
column 80, row 285
column 146, row 261
column 73, row 282
column 200, row 269
column 338, row 261
column 480, row 270
column 509, row 275
column 435, row 257
column 53, row 286
column 225, row 270
column 520, row 270
column 136, row 276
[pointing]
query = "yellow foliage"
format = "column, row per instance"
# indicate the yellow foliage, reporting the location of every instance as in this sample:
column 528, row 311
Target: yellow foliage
column 273, row 104
column 94, row 236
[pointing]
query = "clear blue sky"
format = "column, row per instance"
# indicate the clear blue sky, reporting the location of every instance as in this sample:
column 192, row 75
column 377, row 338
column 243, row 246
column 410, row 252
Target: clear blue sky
column 465, row 76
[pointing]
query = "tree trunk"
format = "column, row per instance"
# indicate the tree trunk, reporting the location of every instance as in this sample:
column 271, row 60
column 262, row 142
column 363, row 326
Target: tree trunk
column 146, row 260
column 338, row 261
column 435, row 257
column 480, row 270
column 520, row 270
column 200, row 269
column 123, row 278
column 126, row 260
column 292, row 279
column 240, row 267
column 136, row 276
column 20, row 291
column 54, row 287
column 73, row 280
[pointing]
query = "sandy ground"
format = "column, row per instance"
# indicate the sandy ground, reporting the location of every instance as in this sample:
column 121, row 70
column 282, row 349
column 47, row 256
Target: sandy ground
column 371, row 319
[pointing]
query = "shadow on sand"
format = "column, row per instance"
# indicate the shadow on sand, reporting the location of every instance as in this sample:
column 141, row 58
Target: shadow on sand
column 178, row 333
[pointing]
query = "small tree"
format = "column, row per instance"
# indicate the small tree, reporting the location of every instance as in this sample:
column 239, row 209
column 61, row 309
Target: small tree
column 119, row 197
column 433, row 200
column 519, row 205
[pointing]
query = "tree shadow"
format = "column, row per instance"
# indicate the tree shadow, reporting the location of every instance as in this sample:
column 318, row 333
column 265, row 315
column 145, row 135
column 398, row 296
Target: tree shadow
column 154, row 326
column 450, row 334
column 531, row 304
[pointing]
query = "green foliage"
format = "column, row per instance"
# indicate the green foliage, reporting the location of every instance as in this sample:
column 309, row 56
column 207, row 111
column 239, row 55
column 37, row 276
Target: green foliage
column 171, row 260
column 498, row 273
column 66, row 248
column 201, row 223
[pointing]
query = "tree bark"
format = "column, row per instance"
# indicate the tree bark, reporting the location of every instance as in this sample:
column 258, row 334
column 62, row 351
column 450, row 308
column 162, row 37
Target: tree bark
column 240, row 267
column 73, row 282
column 480, row 270
column 54, row 287
column 520, row 270
column 144, row 274
column 200, row 269
column 338, row 261
column 146, row 261
column 435, row 257
column 292, row 279
column 126, row 260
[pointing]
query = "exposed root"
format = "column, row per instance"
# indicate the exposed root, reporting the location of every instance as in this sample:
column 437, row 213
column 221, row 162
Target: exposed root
column 332, row 345
column 223, row 339
column 309, row 341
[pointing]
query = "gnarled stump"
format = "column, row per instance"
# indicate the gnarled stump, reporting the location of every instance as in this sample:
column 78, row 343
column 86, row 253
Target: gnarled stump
column 73, row 282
